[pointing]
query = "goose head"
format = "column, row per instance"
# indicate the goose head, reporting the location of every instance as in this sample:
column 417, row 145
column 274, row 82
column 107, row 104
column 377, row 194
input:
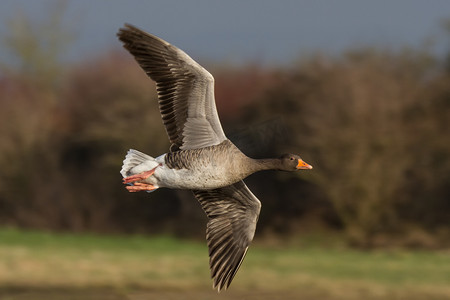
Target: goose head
column 292, row 162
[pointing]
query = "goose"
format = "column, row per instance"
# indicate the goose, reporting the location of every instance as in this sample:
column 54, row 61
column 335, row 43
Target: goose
column 200, row 158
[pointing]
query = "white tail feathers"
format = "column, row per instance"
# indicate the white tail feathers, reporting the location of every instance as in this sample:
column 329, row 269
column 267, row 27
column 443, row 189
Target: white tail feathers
column 132, row 159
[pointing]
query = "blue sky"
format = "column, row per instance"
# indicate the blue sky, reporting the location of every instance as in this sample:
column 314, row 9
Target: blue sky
column 237, row 31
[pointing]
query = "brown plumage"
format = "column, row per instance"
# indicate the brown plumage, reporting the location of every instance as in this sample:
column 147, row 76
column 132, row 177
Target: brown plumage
column 201, row 158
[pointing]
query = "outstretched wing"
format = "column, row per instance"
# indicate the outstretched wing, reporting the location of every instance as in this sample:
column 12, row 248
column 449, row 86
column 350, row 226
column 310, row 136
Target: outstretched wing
column 233, row 213
column 185, row 90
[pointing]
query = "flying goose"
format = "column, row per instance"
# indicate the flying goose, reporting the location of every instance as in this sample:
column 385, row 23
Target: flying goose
column 201, row 158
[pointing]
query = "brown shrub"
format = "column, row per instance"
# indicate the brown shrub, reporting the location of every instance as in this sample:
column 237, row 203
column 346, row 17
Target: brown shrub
column 372, row 123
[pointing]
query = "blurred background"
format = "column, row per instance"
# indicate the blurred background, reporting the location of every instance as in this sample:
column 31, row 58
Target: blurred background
column 361, row 90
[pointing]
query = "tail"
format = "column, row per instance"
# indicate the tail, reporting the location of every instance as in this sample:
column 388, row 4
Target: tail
column 133, row 159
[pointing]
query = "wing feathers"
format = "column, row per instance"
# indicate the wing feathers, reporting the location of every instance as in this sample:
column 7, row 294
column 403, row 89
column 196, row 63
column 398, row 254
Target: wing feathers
column 185, row 89
column 233, row 213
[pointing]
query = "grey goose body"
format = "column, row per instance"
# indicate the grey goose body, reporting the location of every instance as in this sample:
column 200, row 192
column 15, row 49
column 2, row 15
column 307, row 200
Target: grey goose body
column 201, row 158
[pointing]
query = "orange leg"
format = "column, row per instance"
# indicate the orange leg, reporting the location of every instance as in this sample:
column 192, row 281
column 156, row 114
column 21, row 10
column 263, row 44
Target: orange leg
column 138, row 177
column 139, row 186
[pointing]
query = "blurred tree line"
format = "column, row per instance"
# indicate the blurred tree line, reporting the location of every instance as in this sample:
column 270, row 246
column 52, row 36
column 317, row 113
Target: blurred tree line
column 373, row 123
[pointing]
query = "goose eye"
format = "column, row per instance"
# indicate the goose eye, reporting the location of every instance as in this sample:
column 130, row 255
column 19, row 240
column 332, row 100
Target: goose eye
column 292, row 158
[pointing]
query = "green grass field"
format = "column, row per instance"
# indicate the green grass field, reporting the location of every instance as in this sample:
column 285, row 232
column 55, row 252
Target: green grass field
column 37, row 265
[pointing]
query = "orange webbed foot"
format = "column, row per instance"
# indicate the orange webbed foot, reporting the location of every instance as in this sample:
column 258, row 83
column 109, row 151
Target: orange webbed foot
column 139, row 186
column 138, row 177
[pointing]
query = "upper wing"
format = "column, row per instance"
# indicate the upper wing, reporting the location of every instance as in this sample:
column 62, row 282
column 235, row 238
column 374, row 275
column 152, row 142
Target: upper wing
column 185, row 89
column 233, row 212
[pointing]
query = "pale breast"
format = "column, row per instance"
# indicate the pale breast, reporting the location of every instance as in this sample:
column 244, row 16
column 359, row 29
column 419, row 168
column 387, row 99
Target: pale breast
column 191, row 179
column 206, row 168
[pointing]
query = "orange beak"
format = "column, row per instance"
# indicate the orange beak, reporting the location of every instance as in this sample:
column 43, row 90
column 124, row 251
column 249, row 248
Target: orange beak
column 303, row 165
